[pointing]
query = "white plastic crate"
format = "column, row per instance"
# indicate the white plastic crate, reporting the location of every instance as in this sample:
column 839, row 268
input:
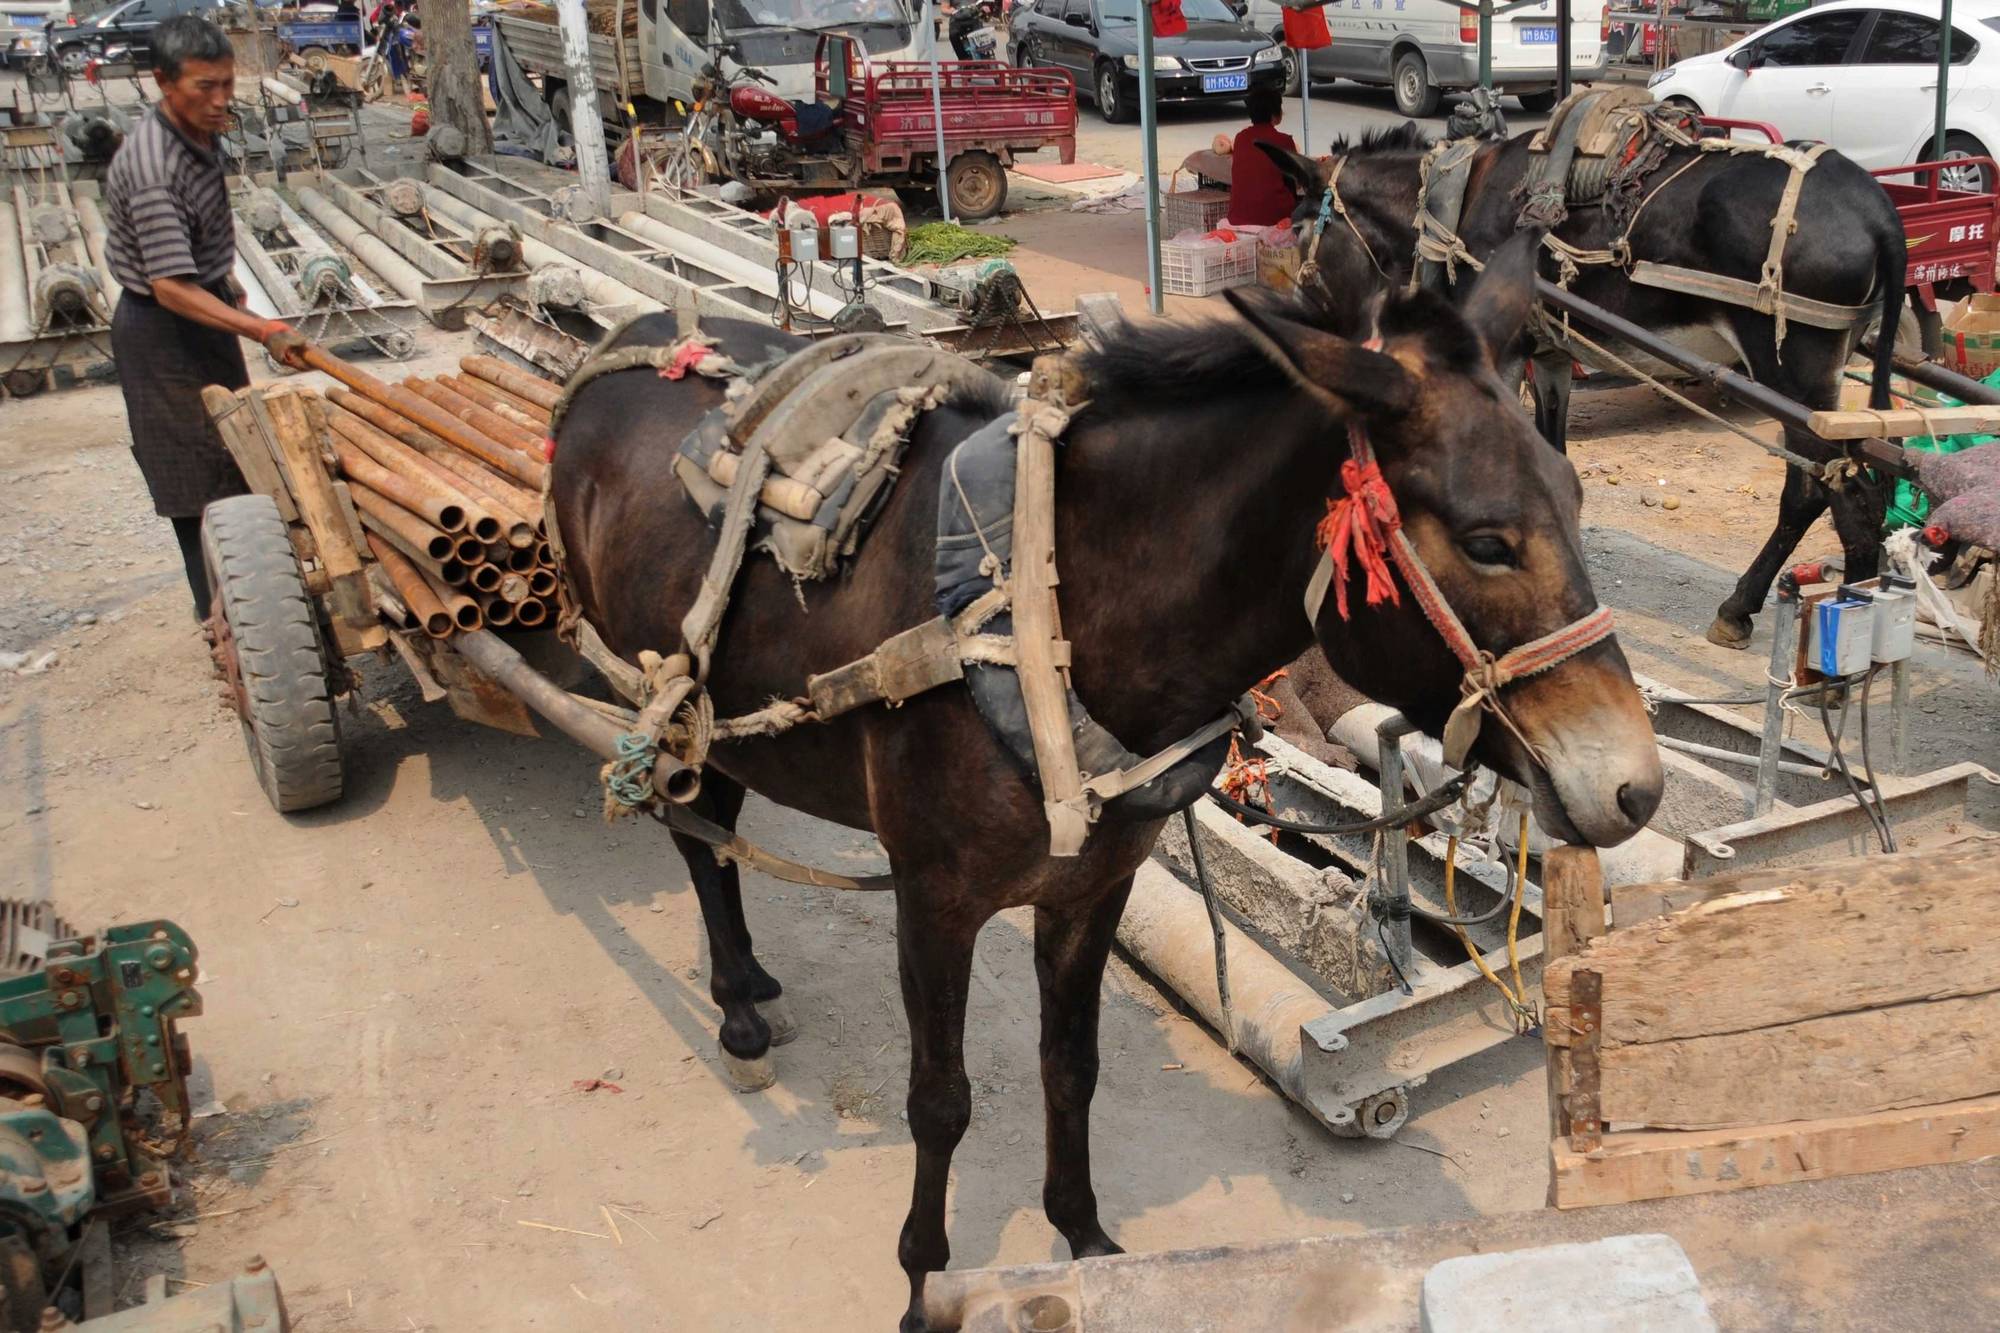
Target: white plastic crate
column 1202, row 269
column 1192, row 210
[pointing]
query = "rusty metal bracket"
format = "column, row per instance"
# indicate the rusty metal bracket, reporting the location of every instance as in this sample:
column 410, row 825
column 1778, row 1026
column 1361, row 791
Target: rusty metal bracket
column 1580, row 1101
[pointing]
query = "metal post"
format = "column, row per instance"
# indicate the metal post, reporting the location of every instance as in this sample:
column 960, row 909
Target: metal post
column 593, row 167
column 1486, row 44
column 1396, row 841
column 1943, row 80
column 1899, row 717
column 1562, row 49
column 1305, row 102
column 1784, row 628
column 1149, row 127
column 937, row 114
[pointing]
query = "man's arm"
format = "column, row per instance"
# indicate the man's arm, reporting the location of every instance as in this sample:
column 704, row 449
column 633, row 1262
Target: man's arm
column 189, row 300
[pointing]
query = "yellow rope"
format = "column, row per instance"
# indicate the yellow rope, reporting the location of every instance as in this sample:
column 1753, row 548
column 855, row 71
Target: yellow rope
column 1516, row 995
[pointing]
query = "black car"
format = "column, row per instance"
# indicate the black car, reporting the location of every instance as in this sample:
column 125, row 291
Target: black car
column 122, row 32
column 1219, row 58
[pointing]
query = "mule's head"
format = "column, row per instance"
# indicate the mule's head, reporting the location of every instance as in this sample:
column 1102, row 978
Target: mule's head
column 1492, row 513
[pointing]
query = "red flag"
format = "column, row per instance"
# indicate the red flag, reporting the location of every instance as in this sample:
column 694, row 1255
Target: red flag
column 1305, row 29
column 1168, row 21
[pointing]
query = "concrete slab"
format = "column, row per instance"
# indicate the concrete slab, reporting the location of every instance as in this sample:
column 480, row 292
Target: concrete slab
column 1621, row 1284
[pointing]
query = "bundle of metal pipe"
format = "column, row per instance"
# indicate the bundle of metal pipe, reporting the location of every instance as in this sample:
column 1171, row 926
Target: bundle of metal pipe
column 446, row 476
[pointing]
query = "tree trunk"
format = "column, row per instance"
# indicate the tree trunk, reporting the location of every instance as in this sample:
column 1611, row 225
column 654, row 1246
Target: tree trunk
column 452, row 72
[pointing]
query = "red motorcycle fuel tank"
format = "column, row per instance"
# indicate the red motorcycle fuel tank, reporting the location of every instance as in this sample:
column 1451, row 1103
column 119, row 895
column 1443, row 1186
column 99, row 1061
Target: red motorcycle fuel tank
column 753, row 103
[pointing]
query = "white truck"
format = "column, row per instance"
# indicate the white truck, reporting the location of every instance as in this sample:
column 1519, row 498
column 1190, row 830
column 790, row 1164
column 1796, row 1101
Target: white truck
column 676, row 38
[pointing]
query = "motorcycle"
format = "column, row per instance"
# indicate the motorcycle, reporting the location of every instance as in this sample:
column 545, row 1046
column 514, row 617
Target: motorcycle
column 739, row 130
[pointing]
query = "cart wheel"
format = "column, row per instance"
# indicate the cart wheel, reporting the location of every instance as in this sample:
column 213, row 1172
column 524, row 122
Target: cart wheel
column 315, row 58
column 268, row 647
column 978, row 185
column 559, row 110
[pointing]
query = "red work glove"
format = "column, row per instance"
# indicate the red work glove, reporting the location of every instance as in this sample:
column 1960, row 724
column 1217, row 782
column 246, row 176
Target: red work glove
column 286, row 346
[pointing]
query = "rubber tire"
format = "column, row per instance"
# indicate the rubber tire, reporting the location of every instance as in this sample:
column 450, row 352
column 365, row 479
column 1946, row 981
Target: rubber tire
column 72, row 58
column 1111, row 107
column 559, row 110
column 1295, row 63
column 1964, row 145
column 1537, row 103
column 1421, row 97
column 970, row 168
column 293, row 731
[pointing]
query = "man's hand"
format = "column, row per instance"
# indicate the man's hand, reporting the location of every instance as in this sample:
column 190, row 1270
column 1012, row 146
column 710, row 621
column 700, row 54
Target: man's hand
column 286, row 346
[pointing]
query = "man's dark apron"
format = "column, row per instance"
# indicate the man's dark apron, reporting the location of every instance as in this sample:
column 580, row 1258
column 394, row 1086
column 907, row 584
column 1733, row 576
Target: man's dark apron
column 164, row 362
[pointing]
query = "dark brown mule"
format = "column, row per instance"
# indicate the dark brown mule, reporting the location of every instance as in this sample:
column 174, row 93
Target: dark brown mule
column 1187, row 496
column 1708, row 212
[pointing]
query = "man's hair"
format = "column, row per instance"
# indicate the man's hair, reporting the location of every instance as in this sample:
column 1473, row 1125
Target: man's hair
column 186, row 37
column 1264, row 106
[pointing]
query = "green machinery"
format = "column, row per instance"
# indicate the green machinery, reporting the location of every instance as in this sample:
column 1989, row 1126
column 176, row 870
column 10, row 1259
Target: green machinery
column 93, row 1106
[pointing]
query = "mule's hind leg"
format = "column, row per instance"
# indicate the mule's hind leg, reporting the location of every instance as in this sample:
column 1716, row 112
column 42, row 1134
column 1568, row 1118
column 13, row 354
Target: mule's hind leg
column 1801, row 503
column 1072, row 942
column 764, row 988
column 934, row 957
column 1555, row 379
column 733, row 981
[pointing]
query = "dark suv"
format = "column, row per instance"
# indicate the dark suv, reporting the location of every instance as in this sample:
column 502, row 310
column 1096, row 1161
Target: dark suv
column 1219, row 58
column 123, row 31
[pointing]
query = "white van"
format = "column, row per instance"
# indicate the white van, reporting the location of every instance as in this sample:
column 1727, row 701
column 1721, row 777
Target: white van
column 1423, row 48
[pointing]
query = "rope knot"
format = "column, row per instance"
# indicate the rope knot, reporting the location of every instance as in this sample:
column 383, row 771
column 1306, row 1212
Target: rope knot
column 1357, row 526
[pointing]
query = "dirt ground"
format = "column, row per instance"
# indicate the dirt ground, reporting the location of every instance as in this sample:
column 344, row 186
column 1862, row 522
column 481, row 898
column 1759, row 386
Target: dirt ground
column 408, row 993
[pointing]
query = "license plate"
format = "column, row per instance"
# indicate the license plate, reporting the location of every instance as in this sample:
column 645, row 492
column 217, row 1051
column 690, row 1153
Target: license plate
column 1538, row 34
column 1225, row 83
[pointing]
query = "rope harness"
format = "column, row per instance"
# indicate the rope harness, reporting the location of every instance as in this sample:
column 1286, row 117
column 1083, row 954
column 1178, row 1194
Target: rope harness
column 1364, row 526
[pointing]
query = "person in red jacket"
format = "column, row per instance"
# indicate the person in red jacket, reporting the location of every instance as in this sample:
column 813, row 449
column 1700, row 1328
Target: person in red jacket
column 1258, row 195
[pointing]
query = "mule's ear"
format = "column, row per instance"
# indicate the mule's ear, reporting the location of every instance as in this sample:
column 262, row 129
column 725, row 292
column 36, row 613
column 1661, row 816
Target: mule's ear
column 1505, row 293
column 1345, row 375
column 1302, row 173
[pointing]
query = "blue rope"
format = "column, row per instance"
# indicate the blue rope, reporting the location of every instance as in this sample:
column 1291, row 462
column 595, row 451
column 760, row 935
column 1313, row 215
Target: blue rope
column 630, row 780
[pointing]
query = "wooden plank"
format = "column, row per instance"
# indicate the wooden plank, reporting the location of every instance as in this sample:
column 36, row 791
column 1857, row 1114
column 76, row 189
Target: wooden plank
column 1852, row 934
column 1666, row 1164
column 295, row 434
column 1038, row 640
column 1843, row 1064
column 1572, row 916
column 1861, row 423
column 243, row 437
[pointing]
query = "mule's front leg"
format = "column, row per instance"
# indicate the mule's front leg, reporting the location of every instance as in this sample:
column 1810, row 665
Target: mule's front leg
column 734, row 977
column 935, row 962
column 1072, row 942
column 1803, row 501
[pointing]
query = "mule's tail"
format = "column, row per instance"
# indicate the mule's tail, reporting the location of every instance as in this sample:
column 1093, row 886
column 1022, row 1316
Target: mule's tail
column 1891, row 256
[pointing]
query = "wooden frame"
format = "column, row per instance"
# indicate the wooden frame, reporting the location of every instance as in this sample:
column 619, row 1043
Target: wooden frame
column 1788, row 1024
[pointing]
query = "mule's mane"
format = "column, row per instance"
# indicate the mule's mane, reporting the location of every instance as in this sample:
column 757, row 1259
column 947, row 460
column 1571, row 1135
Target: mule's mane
column 1144, row 365
column 1406, row 137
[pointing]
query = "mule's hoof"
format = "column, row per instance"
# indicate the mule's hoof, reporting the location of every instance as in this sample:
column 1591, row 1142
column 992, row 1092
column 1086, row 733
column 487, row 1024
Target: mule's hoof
column 1727, row 633
column 748, row 1075
column 777, row 1015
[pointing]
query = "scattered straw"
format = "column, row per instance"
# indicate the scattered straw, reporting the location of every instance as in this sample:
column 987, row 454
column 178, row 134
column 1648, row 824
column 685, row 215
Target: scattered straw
column 611, row 1222
column 550, row 1226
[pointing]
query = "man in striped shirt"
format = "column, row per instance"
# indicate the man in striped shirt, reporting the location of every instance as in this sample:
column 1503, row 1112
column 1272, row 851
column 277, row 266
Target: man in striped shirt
column 171, row 244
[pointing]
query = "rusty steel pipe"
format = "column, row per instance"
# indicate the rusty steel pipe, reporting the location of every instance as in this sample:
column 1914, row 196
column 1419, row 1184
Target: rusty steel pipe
column 448, row 572
column 484, row 578
column 424, row 605
column 490, row 424
column 527, row 407
column 436, row 480
column 542, row 583
column 512, row 588
column 672, row 779
column 495, row 371
column 388, row 604
column 515, row 506
column 529, row 472
column 487, row 396
column 521, row 562
column 443, row 515
column 496, row 609
column 531, row 613
column 385, row 515
column 471, row 552
column 545, row 554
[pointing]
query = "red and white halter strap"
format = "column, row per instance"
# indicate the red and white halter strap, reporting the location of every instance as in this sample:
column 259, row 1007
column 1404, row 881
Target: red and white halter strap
column 1364, row 525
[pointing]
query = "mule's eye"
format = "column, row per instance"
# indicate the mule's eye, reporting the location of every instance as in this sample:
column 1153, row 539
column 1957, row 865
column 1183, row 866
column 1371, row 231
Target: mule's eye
column 1483, row 548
